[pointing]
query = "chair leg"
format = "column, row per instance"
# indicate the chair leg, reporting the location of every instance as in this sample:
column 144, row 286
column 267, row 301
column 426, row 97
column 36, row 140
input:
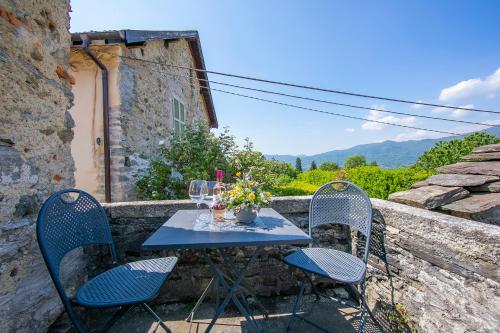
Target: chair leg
column 362, row 319
column 116, row 316
column 315, row 291
column 297, row 301
column 155, row 316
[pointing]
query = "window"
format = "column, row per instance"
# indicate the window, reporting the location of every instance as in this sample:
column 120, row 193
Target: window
column 179, row 117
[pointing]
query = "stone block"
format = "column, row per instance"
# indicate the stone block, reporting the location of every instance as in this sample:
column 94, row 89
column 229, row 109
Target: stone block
column 429, row 197
column 493, row 156
column 460, row 180
column 487, row 149
column 472, row 168
column 489, row 187
column 479, row 207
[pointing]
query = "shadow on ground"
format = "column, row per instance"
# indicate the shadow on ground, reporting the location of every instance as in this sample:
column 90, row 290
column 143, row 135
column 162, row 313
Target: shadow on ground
column 333, row 316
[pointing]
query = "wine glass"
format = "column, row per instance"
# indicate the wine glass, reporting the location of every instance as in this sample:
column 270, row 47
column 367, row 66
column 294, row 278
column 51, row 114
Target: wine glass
column 198, row 190
column 208, row 200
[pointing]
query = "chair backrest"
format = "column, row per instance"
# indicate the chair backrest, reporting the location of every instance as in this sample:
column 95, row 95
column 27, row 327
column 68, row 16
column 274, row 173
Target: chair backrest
column 70, row 219
column 342, row 202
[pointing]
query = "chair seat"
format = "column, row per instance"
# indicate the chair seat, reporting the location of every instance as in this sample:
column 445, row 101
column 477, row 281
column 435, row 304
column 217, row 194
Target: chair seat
column 132, row 283
column 337, row 265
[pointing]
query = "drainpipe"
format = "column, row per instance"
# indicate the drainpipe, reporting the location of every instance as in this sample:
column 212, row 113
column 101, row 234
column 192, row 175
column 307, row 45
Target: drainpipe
column 105, row 116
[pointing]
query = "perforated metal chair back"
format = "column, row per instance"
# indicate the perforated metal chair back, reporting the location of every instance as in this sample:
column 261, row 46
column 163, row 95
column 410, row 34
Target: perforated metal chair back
column 70, row 219
column 342, row 202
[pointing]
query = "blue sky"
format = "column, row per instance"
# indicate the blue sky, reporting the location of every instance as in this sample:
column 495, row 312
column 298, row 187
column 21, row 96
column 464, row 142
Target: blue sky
column 435, row 51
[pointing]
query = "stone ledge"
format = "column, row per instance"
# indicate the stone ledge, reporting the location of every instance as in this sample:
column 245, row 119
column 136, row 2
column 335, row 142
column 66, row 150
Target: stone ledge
column 162, row 208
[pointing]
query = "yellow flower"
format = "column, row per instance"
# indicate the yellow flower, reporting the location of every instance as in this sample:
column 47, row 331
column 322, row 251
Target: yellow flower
column 238, row 174
column 269, row 194
column 251, row 196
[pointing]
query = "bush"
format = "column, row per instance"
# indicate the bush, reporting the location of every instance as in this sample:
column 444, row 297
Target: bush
column 270, row 173
column 319, row 177
column 195, row 155
column 329, row 166
column 295, row 187
column 308, row 182
column 379, row 183
column 354, row 161
column 449, row 152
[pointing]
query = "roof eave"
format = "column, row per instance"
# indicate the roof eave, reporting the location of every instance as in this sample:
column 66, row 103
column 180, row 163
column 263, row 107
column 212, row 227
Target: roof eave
column 130, row 37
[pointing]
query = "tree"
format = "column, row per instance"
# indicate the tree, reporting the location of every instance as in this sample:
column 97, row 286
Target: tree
column 354, row 161
column 373, row 163
column 298, row 164
column 449, row 152
column 329, row 166
column 313, row 166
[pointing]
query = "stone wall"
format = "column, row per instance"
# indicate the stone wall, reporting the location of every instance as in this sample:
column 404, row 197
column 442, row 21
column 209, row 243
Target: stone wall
column 442, row 270
column 35, row 159
column 429, row 271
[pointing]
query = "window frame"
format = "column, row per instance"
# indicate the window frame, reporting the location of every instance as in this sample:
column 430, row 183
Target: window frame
column 178, row 116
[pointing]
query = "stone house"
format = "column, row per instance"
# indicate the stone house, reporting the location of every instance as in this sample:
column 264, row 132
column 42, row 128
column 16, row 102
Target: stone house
column 147, row 103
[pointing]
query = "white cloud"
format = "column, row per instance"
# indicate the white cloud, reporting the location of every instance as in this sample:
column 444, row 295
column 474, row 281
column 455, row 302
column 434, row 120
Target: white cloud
column 418, row 135
column 455, row 113
column 381, row 116
column 350, row 130
column 441, row 110
column 472, row 88
column 418, row 106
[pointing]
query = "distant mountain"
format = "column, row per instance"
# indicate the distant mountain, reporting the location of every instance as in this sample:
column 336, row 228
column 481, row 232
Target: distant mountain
column 388, row 154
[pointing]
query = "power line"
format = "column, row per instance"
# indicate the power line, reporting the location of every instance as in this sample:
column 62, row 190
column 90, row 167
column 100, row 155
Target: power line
column 327, row 112
column 334, row 103
column 330, row 102
column 307, row 87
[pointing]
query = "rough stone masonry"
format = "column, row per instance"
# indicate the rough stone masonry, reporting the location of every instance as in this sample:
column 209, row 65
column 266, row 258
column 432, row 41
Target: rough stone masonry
column 35, row 159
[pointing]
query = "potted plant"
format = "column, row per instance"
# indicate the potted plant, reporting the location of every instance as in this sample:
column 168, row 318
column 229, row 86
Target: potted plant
column 245, row 198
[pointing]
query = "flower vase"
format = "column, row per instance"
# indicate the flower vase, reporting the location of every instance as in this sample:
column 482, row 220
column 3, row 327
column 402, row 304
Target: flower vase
column 245, row 214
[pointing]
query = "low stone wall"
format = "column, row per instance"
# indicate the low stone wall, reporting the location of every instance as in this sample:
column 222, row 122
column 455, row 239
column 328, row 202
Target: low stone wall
column 441, row 271
column 133, row 222
column 427, row 271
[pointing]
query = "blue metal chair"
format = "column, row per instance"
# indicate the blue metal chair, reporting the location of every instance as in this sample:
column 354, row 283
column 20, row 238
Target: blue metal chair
column 337, row 202
column 71, row 219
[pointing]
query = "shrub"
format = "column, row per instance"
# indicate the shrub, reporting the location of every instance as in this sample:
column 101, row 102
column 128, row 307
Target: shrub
column 449, row 152
column 308, row 182
column 354, row 161
column 319, row 177
column 270, row 173
column 379, row 183
column 195, row 155
column 295, row 187
column 329, row 166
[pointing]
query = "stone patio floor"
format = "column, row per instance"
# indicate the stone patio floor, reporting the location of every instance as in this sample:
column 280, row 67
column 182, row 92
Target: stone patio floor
column 331, row 315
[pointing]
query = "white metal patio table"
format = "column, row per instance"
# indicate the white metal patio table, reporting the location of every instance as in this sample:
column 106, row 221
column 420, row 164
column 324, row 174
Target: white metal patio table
column 184, row 230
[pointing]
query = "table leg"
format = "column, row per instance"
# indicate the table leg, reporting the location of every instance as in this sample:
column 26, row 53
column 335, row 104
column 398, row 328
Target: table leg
column 190, row 317
column 230, row 264
column 231, row 293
